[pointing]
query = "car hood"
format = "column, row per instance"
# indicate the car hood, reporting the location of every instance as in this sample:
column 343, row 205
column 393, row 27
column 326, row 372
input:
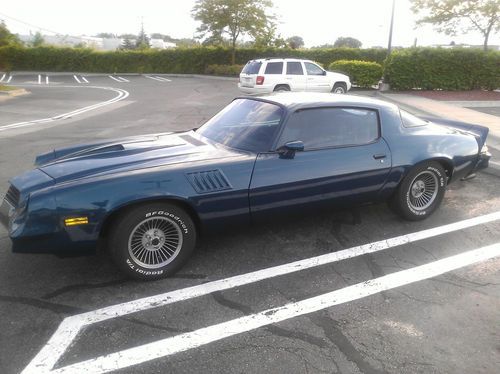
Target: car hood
column 337, row 76
column 128, row 154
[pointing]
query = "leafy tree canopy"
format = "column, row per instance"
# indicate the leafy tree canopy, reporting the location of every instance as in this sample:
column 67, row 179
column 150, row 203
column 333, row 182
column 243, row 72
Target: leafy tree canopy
column 106, row 35
column 347, row 42
column 6, row 37
column 233, row 18
column 37, row 40
column 295, row 42
column 452, row 16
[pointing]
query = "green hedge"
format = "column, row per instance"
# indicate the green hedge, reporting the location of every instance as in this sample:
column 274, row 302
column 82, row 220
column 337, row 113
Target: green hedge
column 361, row 73
column 177, row 60
column 225, row 70
column 447, row 69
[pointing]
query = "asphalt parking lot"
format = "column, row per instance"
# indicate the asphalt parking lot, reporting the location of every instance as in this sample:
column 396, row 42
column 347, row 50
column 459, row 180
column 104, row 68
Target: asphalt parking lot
column 440, row 315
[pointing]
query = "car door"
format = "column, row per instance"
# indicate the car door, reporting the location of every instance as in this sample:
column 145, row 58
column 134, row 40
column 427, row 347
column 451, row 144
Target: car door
column 317, row 79
column 295, row 76
column 344, row 160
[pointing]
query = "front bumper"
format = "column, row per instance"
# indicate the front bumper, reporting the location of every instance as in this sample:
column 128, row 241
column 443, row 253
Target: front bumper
column 483, row 161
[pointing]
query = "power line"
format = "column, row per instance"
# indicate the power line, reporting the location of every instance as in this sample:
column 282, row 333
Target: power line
column 35, row 26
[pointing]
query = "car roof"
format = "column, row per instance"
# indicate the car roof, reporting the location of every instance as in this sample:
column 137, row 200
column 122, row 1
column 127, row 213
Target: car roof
column 273, row 59
column 303, row 100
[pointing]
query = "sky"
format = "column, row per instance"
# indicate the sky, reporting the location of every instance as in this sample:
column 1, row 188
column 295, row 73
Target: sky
column 316, row 21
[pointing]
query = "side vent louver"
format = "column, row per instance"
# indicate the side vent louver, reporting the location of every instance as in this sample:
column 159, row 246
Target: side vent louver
column 208, row 181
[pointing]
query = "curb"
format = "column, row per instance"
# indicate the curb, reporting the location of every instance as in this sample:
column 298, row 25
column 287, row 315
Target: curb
column 6, row 95
column 54, row 74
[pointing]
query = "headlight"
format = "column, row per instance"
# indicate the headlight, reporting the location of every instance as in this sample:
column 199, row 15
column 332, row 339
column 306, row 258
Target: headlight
column 484, row 149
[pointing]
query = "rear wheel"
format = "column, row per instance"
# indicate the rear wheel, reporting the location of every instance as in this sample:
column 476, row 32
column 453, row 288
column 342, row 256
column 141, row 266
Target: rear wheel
column 281, row 88
column 152, row 241
column 339, row 88
column 420, row 192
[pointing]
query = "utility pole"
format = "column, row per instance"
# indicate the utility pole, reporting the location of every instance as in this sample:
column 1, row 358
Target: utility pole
column 389, row 46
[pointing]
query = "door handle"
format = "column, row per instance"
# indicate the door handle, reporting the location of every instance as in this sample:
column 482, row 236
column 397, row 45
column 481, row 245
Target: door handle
column 379, row 156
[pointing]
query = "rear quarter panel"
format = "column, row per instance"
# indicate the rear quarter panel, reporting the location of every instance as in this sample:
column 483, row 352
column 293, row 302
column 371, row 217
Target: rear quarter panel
column 414, row 145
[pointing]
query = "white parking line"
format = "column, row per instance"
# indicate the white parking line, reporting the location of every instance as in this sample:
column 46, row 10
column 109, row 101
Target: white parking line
column 203, row 336
column 495, row 163
column 84, row 79
column 1, row 79
column 122, row 94
column 71, row 326
column 162, row 78
column 76, row 79
column 39, row 79
column 46, row 79
column 157, row 78
column 119, row 79
column 8, row 80
column 116, row 79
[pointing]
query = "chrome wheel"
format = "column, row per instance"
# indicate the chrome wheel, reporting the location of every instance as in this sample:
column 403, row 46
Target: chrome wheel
column 155, row 242
column 339, row 90
column 423, row 190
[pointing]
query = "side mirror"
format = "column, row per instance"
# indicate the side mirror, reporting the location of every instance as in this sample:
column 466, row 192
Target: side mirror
column 289, row 149
column 324, row 72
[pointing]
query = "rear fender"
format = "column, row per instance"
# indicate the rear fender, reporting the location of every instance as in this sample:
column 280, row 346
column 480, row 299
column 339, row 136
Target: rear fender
column 479, row 132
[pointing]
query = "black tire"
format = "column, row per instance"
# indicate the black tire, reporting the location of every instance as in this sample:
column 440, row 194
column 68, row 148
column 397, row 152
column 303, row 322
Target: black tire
column 420, row 192
column 281, row 88
column 339, row 88
column 152, row 241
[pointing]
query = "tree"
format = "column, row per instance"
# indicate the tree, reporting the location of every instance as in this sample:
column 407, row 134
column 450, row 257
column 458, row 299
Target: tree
column 347, row 42
column 127, row 44
column 268, row 37
column 127, row 36
column 187, row 42
column 6, row 37
column 37, row 40
column 295, row 42
column 142, row 41
column 105, row 35
column 448, row 16
column 232, row 17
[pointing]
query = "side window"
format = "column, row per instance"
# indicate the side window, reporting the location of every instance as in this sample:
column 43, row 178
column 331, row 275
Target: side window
column 274, row 68
column 252, row 67
column 294, row 68
column 331, row 127
column 313, row 69
column 409, row 120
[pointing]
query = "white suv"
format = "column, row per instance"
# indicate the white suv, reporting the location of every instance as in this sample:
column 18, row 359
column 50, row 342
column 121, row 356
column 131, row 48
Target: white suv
column 287, row 74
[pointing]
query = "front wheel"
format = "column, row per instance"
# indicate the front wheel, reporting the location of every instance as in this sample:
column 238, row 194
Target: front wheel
column 420, row 192
column 339, row 88
column 152, row 241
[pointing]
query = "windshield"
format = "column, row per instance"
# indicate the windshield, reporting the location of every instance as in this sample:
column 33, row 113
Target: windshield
column 245, row 124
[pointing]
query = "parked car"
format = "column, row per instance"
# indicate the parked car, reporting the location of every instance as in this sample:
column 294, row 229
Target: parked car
column 286, row 74
column 149, row 197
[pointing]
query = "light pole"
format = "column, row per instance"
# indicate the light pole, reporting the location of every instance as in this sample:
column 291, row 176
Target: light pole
column 384, row 86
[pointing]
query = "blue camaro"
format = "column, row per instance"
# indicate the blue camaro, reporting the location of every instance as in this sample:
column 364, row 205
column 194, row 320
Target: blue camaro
column 149, row 197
